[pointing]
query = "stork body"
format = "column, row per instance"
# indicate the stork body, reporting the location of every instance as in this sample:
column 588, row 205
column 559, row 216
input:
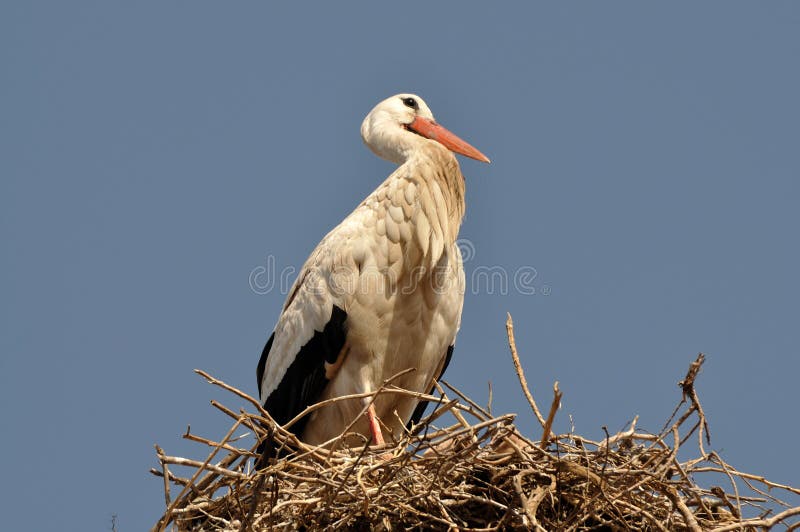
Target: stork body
column 381, row 293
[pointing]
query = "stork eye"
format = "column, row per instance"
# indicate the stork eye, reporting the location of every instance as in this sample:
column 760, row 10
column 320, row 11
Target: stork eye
column 411, row 102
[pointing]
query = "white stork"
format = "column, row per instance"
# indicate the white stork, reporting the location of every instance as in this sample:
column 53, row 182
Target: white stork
column 381, row 293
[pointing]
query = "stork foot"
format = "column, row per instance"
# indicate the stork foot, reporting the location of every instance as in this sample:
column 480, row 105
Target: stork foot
column 375, row 427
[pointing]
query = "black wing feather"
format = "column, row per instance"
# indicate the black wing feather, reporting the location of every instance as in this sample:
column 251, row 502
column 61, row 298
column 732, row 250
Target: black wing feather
column 305, row 379
column 422, row 405
column 262, row 362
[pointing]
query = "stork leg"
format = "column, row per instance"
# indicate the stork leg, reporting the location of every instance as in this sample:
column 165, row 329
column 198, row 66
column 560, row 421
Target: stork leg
column 374, row 426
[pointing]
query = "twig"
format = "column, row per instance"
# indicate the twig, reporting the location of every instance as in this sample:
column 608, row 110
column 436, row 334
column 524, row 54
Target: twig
column 554, row 406
column 691, row 522
column 200, row 468
column 767, row 523
column 512, row 344
column 165, row 472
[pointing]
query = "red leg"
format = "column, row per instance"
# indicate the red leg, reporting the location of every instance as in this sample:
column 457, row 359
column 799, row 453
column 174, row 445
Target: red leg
column 374, row 426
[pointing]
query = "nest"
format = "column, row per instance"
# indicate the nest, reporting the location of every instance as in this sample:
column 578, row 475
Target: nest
column 480, row 473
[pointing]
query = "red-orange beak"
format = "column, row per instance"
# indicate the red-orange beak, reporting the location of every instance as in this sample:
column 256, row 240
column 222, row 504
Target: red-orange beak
column 431, row 130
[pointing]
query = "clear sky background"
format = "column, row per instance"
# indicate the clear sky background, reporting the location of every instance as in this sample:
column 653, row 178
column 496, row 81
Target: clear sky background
column 154, row 154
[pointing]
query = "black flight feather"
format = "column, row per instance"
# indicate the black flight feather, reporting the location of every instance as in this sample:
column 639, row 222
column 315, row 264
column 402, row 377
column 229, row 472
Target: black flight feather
column 422, row 405
column 305, row 378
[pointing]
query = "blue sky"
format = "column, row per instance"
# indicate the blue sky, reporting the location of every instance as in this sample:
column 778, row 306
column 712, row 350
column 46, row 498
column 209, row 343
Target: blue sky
column 645, row 164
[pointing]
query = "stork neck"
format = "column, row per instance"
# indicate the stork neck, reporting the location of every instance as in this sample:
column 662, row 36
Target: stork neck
column 401, row 146
column 435, row 163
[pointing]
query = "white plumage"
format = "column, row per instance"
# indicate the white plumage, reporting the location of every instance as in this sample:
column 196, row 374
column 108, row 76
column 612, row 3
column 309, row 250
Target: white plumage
column 381, row 293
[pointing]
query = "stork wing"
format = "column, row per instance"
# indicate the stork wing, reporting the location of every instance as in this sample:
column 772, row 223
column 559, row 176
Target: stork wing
column 305, row 377
column 309, row 335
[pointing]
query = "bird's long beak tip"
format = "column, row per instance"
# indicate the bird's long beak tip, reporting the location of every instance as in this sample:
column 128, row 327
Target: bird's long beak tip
column 432, row 130
column 478, row 156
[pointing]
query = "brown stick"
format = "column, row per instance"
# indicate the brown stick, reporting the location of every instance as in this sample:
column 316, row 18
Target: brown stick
column 767, row 523
column 554, row 406
column 512, row 344
column 168, row 514
column 691, row 522
column 165, row 472
column 235, row 391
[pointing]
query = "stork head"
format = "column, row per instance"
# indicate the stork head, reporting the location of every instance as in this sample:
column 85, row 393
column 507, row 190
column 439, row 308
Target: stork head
column 401, row 124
